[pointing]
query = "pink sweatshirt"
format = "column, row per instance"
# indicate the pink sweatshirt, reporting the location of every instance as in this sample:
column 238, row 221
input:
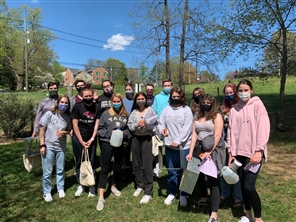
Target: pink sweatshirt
column 248, row 129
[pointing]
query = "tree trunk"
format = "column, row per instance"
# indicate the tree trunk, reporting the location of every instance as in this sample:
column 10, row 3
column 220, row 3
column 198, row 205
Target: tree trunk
column 167, row 40
column 182, row 44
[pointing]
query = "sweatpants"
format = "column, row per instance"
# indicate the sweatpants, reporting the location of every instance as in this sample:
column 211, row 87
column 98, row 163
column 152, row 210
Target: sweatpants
column 106, row 154
column 77, row 150
column 248, row 181
column 142, row 163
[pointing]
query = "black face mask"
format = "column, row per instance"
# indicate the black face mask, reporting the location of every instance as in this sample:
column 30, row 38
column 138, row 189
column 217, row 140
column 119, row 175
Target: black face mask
column 196, row 99
column 206, row 107
column 176, row 101
column 79, row 89
column 53, row 93
column 88, row 101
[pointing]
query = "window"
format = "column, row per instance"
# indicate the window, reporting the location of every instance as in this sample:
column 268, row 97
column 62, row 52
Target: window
column 98, row 79
column 103, row 79
column 97, row 73
column 105, row 73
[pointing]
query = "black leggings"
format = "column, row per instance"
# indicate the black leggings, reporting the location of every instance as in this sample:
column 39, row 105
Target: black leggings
column 106, row 154
column 248, row 182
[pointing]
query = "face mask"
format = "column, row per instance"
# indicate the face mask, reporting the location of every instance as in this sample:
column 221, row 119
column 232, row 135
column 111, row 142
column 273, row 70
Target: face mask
column 149, row 93
column 129, row 94
column 53, row 93
column 141, row 103
column 166, row 90
column 88, row 101
column 229, row 97
column 244, row 96
column 63, row 107
column 116, row 105
column 206, row 107
column 79, row 89
column 108, row 90
column 196, row 99
column 176, row 101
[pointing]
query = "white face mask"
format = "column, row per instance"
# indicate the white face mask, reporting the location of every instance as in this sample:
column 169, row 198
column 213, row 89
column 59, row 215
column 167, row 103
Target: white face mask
column 244, row 96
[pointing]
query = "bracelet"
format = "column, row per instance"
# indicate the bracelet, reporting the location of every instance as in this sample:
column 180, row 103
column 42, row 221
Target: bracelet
column 92, row 139
column 42, row 145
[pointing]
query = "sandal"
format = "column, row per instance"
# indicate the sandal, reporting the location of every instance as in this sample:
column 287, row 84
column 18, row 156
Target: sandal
column 238, row 204
column 222, row 200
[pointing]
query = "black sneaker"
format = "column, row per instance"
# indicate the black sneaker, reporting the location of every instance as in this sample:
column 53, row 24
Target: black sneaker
column 200, row 204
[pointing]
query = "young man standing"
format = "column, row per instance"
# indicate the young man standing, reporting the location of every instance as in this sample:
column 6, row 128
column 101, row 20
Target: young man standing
column 79, row 84
column 149, row 93
column 161, row 101
column 104, row 100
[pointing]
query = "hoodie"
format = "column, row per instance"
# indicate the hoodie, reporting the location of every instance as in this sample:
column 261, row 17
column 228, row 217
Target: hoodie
column 248, row 129
column 161, row 100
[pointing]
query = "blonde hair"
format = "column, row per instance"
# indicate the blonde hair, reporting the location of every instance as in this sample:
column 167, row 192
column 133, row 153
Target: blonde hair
column 122, row 110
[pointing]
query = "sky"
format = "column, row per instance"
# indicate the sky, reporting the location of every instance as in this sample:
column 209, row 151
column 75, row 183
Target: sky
column 98, row 29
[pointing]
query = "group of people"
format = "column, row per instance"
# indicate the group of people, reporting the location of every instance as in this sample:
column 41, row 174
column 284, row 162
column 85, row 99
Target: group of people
column 142, row 119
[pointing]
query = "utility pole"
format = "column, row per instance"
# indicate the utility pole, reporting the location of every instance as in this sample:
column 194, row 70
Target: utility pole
column 26, row 54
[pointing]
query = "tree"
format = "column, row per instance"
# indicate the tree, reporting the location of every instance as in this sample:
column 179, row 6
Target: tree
column 56, row 70
column 143, row 72
column 249, row 26
column 117, row 71
column 91, row 63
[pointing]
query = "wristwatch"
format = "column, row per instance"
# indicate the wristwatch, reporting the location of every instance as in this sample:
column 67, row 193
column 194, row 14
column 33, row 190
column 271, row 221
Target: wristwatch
column 42, row 145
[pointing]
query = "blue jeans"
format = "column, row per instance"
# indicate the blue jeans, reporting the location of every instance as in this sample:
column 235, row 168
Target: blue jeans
column 173, row 161
column 48, row 160
column 226, row 191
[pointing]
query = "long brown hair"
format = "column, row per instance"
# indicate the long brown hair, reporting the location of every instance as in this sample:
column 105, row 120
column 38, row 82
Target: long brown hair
column 226, row 105
column 211, row 115
column 122, row 109
column 194, row 106
column 181, row 92
column 55, row 109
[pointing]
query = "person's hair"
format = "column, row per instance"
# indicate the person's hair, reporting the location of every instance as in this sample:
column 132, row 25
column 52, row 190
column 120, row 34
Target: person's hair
column 244, row 82
column 181, row 92
column 135, row 105
column 87, row 88
column 56, row 107
column 167, row 80
column 122, row 110
column 52, row 84
column 211, row 115
column 78, row 81
column 149, row 84
column 226, row 105
column 193, row 104
column 107, row 80
column 130, row 85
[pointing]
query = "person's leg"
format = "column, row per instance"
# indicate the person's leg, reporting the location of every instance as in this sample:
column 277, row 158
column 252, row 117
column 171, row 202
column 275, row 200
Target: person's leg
column 237, row 194
column 92, row 152
column 127, row 162
column 172, row 162
column 60, row 169
column 136, row 158
column 202, row 186
column 183, row 154
column 118, row 153
column 77, row 150
column 215, row 195
column 47, row 166
column 106, row 155
column 225, row 189
column 147, row 160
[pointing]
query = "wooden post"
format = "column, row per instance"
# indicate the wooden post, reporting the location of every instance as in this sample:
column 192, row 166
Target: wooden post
column 70, row 91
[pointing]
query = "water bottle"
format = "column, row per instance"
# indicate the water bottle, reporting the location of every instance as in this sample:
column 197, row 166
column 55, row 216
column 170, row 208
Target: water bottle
column 116, row 138
column 230, row 173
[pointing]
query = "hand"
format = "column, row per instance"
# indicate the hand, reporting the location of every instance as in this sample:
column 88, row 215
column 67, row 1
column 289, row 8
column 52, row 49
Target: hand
column 61, row 134
column 189, row 157
column 34, row 134
column 206, row 155
column 174, row 144
column 257, row 157
column 141, row 123
column 71, row 133
column 231, row 159
column 43, row 150
column 84, row 145
column 95, row 94
column 164, row 132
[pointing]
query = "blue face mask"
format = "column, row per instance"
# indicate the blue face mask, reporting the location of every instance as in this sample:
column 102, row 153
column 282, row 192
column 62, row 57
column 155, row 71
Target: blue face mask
column 63, row 107
column 116, row 105
column 166, row 90
column 229, row 97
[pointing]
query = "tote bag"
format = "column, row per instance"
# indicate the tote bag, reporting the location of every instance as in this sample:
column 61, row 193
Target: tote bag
column 32, row 156
column 86, row 172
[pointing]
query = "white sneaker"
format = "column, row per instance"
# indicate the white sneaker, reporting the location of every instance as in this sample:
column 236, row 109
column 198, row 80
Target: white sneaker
column 61, row 194
column 92, row 191
column 137, row 192
column 145, row 199
column 115, row 191
column 101, row 204
column 47, row 197
column 245, row 219
column 79, row 191
column 183, row 201
column 169, row 199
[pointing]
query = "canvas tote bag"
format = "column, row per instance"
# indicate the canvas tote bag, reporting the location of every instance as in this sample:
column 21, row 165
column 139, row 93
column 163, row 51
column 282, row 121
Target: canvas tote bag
column 86, row 171
column 32, row 156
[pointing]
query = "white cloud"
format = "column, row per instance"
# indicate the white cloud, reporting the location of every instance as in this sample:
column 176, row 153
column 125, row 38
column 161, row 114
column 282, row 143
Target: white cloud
column 118, row 25
column 118, row 42
column 34, row 1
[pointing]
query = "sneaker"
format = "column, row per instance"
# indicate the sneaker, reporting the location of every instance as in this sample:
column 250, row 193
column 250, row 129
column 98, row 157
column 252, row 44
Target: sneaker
column 169, row 199
column 61, row 194
column 79, row 191
column 145, row 199
column 213, row 219
column 156, row 172
column 245, row 219
column 92, row 191
column 47, row 197
column 101, row 204
column 200, row 204
column 137, row 192
column 116, row 192
column 183, row 201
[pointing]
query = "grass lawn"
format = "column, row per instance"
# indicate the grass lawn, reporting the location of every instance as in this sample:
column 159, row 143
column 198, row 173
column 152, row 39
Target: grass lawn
column 21, row 192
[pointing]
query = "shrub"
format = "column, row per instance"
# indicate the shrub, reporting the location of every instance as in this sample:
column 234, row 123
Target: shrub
column 98, row 87
column 16, row 115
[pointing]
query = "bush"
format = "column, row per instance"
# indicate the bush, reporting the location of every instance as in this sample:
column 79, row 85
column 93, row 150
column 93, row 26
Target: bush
column 16, row 115
column 98, row 87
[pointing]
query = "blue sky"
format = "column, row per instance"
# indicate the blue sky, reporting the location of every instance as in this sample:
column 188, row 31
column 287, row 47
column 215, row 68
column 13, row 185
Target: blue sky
column 107, row 22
